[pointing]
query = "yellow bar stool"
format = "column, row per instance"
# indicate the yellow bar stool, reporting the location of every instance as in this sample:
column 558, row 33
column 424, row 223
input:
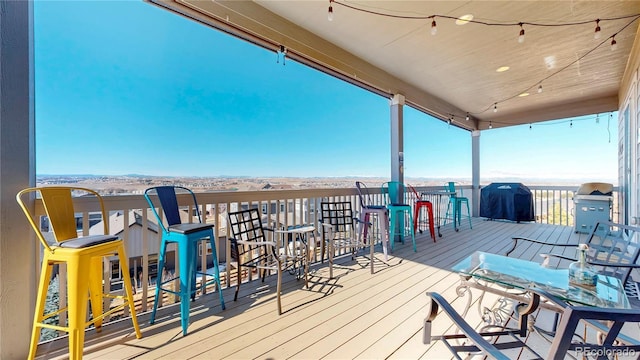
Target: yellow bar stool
column 83, row 256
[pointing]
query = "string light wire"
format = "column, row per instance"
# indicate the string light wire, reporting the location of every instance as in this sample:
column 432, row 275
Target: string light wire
column 636, row 17
column 570, row 121
column 538, row 84
column 609, row 123
column 475, row 21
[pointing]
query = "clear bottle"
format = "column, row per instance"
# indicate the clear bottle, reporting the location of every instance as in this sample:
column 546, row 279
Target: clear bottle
column 580, row 272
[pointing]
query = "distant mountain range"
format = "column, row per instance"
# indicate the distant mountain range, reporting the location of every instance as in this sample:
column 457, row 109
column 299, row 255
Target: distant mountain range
column 58, row 178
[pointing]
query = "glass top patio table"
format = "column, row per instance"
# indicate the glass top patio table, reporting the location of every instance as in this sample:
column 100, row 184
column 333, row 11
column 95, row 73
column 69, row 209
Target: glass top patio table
column 522, row 274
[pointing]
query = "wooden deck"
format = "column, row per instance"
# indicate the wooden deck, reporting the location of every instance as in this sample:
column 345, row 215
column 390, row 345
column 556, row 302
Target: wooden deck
column 354, row 315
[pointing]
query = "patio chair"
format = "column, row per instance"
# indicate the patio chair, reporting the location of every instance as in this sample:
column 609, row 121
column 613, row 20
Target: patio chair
column 368, row 211
column 506, row 343
column 187, row 237
column 338, row 232
column 614, row 250
column 251, row 248
column 417, row 212
column 454, row 208
column 401, row 217
column 83, row 256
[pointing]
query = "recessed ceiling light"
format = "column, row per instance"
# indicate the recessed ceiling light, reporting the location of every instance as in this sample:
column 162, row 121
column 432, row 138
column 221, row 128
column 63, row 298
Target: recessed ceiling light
column 464, row 19
column 550, row 61
column 524, row 94
column 502, row 69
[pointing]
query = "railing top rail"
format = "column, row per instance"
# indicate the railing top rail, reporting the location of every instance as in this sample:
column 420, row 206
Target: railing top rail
column 134, row 201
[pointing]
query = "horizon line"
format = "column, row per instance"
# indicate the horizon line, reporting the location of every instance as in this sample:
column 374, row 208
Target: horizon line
column 501, row 177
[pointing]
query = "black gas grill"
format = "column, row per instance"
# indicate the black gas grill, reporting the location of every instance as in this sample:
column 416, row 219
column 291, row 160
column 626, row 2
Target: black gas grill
column 509, row 201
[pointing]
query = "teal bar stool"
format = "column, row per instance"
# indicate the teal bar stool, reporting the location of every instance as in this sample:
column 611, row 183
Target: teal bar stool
column 400, row 214
column 455, row 206
column 186, row 236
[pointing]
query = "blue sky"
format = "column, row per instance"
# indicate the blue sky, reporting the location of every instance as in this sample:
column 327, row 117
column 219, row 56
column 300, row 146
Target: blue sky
column 124, row 87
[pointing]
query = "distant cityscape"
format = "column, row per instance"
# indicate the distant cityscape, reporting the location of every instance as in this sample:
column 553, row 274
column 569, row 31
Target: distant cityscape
column 136, row 184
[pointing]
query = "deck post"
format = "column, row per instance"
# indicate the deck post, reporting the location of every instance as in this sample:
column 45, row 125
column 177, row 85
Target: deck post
column 17, row 171
column 475, row 173
column 397, row 147
column 397, row 143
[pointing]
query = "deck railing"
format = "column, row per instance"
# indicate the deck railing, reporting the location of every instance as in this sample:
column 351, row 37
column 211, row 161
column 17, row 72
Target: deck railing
column 553, row 205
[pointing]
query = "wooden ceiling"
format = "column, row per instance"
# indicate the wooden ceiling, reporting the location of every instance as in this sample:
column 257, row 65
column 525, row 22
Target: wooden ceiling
column 387, row 47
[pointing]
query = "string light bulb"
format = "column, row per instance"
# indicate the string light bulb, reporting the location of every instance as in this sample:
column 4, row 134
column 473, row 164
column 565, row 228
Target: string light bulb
column 571, row 123
column 495, row 107
column 597, row 33
column 529, row 126
column 490, row 125
column 283, row 51
column 597, row 118
column 521, row 36
column 467, row 117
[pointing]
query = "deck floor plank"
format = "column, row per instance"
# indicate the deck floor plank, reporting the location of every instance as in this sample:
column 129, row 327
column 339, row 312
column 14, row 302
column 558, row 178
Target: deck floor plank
column 354, row 315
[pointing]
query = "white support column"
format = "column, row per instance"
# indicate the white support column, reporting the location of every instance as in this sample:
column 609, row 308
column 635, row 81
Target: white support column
column 397, row 143
column 475, row 172
column 17, row 171
column 397, row 150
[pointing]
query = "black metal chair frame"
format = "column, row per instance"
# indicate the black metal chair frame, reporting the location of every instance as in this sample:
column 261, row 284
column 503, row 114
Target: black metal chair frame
column 339, row 231
column 251, row 248
column 612, row 342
